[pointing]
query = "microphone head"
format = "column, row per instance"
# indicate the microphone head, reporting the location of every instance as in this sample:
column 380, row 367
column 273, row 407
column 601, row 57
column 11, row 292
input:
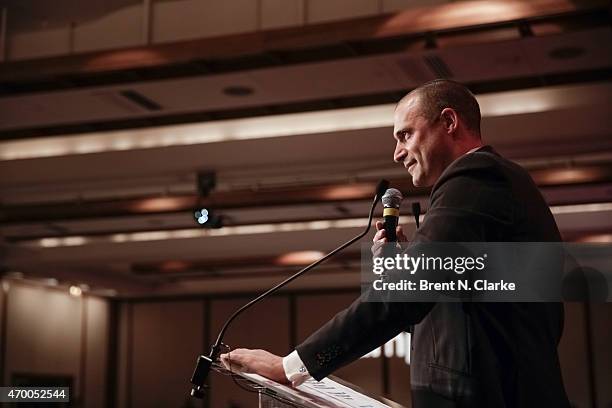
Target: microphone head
column 382, row 186
column 392, row 198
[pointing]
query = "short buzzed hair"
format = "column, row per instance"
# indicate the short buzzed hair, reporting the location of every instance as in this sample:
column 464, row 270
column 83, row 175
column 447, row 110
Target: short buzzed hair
column 436, row 95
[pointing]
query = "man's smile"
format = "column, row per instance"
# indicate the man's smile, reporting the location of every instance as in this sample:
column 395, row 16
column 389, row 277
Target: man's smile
column 410, row 163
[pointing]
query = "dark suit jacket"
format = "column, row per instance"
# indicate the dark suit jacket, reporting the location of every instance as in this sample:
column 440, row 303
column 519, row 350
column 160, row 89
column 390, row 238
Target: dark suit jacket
column 478, row 354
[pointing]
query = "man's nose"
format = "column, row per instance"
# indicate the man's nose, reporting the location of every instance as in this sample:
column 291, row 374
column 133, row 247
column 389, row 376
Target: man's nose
column 399, row 154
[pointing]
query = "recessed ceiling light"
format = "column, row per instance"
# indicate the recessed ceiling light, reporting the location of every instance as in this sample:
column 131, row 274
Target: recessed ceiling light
column 238, row 90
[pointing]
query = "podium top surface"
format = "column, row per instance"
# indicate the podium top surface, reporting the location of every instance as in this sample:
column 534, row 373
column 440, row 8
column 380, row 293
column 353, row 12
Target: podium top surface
column 331, row 392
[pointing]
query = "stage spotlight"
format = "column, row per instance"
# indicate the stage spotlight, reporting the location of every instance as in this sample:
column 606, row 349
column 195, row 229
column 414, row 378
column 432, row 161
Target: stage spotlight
column 207, row 219
column 201, row 216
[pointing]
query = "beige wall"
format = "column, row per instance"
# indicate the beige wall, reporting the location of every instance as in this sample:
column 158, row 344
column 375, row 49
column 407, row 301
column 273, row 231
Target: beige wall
column 43, row 332
column 2, row 288
column 49, row 332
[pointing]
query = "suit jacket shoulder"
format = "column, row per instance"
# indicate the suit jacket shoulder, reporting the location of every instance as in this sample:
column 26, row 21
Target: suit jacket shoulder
column 473, row 200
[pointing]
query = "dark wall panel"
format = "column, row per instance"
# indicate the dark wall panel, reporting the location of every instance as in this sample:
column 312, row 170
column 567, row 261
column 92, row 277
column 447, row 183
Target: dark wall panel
column 167, row 337
column 265, row 326
column 601, row 330
column 573, row 356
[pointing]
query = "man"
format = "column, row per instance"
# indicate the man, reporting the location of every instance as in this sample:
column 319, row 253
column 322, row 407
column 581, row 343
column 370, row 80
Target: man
column 464, row 354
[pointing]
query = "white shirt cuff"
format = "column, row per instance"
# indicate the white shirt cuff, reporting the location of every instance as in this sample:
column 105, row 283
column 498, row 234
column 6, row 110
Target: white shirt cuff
column 295, row 370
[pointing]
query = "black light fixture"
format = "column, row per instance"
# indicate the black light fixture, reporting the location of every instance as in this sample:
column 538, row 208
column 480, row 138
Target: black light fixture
column 205, row 217
column 201, row 216
column 206, row 182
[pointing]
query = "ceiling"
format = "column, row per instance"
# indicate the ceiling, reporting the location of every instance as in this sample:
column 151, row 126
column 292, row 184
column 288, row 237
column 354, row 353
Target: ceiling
column 98, row 178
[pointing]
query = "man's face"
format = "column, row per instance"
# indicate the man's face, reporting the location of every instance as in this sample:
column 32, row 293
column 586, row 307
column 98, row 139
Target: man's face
column 423, row 148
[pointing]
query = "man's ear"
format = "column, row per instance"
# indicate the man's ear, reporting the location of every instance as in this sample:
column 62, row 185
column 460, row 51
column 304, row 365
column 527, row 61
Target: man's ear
column 449, row 119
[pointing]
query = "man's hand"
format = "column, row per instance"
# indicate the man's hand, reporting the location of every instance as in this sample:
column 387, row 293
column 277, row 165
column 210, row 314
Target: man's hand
column 381, row 238
column 256, row 361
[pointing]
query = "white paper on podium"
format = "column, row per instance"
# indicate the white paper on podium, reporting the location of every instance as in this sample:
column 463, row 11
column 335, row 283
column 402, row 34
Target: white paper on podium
column 322, row 394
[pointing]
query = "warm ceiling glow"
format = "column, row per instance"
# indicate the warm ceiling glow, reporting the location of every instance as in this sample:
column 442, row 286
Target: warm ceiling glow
column 566, row 176
column 124, row 58
column 262, row 229
column 348, row 192
column 209, row 132
column 580, row 208
column 493, row 10
column 603, row 238
column 199, row 232
column 299, row 257
column 465, row 13
column 160, row 204
column 61, row 242
column 333, row 120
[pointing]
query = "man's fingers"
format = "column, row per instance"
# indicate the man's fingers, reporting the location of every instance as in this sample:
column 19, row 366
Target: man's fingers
column 257, row 361
column 401, row 237
column 379, row 239
column 234, row 361
column 380, row 234
column 377, row 248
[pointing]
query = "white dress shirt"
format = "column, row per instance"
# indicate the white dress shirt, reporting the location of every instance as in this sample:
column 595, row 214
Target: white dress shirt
column 295, row 370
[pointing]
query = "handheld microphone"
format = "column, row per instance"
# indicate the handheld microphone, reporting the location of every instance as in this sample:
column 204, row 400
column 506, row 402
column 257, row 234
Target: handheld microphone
column 392, row 200
column 204, row 363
